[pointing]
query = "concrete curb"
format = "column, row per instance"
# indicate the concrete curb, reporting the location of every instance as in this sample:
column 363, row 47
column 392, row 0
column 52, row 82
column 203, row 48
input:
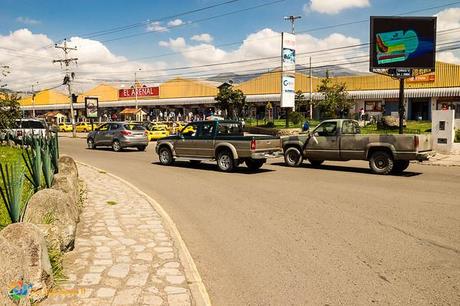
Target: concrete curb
column 197, row 288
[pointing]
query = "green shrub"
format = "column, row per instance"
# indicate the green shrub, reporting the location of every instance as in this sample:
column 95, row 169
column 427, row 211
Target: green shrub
column 296, row 117
column 270, row 124
column 457, row 135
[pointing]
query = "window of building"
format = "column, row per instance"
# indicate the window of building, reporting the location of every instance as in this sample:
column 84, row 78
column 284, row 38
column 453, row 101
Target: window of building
column 373, row 106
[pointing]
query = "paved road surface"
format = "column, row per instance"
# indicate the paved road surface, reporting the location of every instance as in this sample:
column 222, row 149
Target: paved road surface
column 282, row 236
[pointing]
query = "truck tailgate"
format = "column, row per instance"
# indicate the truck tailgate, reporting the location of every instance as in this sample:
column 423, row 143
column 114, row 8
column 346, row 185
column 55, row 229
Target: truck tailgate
column 270, row 144
column 424, row 143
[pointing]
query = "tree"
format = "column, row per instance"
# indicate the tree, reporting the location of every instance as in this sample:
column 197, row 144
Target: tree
column 335, row 102
column 9, row 109
column 232, row 102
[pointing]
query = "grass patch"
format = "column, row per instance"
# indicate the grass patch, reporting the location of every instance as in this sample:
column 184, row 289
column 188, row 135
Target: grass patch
column 48, row 218
column 412, row 127
column 112, row 202
column 12, row 156
column 280, row 123
column 56, row 258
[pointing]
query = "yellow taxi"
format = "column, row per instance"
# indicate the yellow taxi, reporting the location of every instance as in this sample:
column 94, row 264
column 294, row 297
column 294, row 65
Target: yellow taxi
column 65, row 127
column 188, row 129
column 84, row 127
column 155, row 132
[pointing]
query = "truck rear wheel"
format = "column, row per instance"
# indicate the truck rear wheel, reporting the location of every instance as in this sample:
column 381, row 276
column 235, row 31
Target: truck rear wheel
column 400, row 166
column 255, row 164
column 293, row 157
column 381, row 162
column 166, row 157
column 316, row 162
column 225, row 161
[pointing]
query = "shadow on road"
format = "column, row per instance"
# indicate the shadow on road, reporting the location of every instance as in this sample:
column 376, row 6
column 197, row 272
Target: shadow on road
column 349, row 169
column 212, row 167
column 109, row 149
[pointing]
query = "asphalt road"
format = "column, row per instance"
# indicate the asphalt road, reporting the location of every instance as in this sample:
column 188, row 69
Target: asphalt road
column 304, row 236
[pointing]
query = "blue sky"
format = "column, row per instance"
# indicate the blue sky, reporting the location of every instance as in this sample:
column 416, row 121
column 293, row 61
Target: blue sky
column 27, row 25
column 59, row 19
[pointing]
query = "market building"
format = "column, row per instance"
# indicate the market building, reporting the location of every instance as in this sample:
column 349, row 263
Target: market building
column 377, row 94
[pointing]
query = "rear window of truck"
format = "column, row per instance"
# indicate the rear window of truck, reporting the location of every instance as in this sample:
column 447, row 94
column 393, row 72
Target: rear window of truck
column 229, row 129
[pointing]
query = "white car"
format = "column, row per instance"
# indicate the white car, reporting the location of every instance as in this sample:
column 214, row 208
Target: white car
column 29, row 127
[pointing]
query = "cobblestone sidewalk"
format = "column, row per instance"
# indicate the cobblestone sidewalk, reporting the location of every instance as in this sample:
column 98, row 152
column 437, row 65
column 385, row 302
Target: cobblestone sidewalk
column 123, row 254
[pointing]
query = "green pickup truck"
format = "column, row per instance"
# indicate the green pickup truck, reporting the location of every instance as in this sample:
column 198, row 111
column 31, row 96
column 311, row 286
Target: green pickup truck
column 341, row 140
column 223, row 141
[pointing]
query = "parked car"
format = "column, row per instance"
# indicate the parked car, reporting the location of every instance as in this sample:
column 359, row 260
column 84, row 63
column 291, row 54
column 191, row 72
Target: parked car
column 341, row 140
column 223, row 141
column 65, row 127
column 118, row 135
column 83, row 127
column 155, row 133
column 28, row 127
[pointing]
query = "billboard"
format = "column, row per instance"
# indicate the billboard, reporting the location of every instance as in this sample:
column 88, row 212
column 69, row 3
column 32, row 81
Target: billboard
column 142, row 92
column 402, row 42
column 92, row 107
column 288, row 70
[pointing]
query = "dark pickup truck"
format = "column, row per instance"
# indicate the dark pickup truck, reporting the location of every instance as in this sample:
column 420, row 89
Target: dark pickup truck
column 341, row 140
column 223, row 141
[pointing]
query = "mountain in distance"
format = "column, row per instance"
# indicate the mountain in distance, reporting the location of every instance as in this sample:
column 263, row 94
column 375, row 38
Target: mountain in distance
column 319, row 72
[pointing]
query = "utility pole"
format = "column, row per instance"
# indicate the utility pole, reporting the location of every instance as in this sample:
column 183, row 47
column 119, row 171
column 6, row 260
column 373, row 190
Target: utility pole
column 33, row 100
column 69, row 76
column 311, row 92
column 5, row 71
column 292, row 19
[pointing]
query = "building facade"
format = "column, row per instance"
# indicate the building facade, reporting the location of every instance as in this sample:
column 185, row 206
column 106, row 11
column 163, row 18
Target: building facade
column 376, row 94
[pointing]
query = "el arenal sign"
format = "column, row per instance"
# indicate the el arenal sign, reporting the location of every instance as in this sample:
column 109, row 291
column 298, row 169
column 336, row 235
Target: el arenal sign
column 142, row 92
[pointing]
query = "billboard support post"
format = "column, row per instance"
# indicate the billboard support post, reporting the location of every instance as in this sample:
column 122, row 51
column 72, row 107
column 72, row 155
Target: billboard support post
column 401, row 105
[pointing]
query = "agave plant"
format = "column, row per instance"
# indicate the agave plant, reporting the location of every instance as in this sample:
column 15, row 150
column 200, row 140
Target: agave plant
column 54, row 150
column 47, row 165
column 33, row 161
column 12, row 190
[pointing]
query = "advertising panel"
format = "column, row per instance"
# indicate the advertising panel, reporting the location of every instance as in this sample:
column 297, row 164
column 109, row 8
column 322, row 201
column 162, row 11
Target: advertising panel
column 288, row 70
column 92, row 107
column 142, row 92
column 402, row 42
column 288, row 91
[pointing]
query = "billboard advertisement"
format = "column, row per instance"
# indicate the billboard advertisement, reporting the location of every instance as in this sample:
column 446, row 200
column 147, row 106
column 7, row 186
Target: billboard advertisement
column 288, row 91
column 92, row 107
column 288, row 70
column 403, row 42
column 142, row 92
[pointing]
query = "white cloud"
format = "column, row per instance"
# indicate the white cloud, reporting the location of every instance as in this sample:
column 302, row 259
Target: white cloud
column 32, row 62
column 205, row 37
column 175, row 44
column 175, row 23
column 448, row 25
column 156, row 26
column 265, row 44
column 334, row 6
column 27, row 20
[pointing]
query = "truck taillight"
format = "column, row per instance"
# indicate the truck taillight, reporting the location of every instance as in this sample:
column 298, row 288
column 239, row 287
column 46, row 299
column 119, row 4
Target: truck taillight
column 126, row 133
column 416, row 143
column 253, row 145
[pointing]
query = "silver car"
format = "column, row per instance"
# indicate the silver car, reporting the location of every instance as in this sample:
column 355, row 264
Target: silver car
column 118, row 135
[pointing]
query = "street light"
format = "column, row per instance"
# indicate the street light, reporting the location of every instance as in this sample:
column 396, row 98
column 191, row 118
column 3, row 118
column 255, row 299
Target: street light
column 135, row 85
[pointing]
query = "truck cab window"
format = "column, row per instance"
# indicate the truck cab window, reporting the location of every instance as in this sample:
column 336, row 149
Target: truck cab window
column 207, row 130
column 327, row 129
column 350, row 127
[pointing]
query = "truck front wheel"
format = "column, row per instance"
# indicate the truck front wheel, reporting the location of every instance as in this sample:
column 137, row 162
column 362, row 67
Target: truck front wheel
column 400, row 166
column 293, row 157
column 255, row 164
column 381, row 162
